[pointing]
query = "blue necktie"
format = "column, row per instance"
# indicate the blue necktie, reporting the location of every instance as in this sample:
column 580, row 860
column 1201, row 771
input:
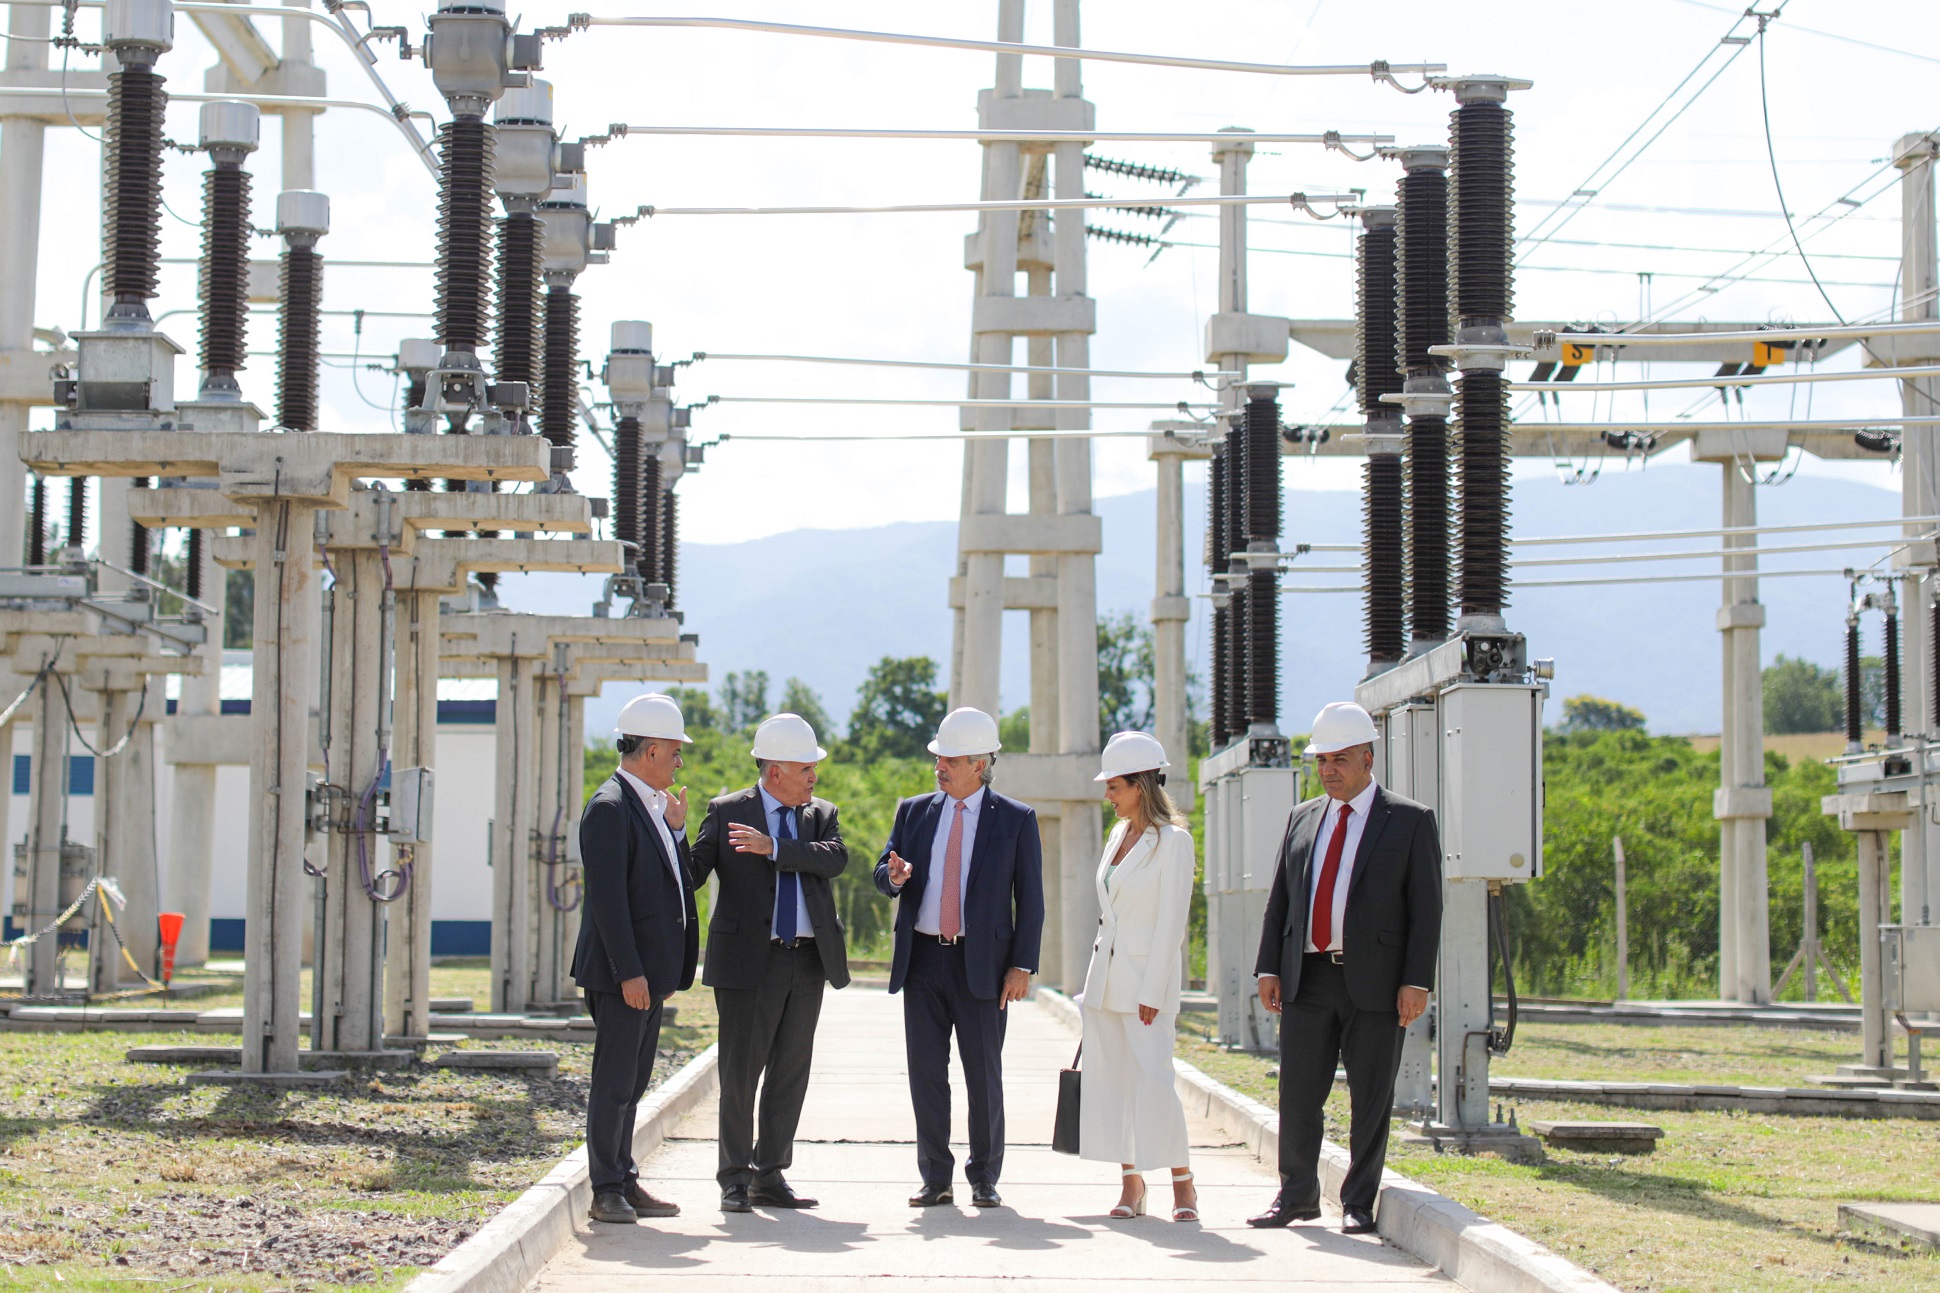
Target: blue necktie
column 790, row 884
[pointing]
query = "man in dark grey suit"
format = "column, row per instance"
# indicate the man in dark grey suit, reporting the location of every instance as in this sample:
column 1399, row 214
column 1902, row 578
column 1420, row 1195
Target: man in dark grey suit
column 637, row 942
column 1347, row 957
column 773, row 940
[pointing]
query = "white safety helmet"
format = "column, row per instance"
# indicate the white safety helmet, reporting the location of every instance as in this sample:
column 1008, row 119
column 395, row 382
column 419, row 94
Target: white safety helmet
column 787, row 738
column 1341, row 726
column 654, row 716
column 965, row 731
column 1130, row 752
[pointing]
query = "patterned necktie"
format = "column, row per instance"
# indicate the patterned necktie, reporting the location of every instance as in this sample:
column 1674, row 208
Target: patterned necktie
column 1323, row 921
column 789, row 883
column 950, row 922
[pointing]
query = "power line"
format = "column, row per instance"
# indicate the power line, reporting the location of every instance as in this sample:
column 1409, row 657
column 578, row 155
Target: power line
column 1380, row 70
column 968, row 368
column 1591, row 186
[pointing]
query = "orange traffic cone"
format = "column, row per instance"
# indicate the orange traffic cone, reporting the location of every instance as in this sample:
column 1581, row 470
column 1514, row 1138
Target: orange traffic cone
column 170, row 923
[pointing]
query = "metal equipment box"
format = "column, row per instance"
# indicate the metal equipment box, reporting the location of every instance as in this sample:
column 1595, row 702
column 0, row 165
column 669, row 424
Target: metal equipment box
column 411, row 806
column 1408, row 761
column 1913, row 966
column 1491, row 812
column 1246, row 818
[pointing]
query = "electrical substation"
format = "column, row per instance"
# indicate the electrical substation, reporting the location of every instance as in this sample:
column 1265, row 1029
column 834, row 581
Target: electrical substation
column 383, row 547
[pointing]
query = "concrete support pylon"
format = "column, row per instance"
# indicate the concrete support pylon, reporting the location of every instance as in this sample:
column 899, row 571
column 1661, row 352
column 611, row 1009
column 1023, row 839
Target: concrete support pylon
column 192, row 807
column 1743, row 802
column 977, row 658
column 514, row 817
column 47, row 787
column 1920, row 495
column 414, row 744
column 23, row 142
column 124, row 821
column 1059, row 534
column 282, row 690
column 348, row 964
column 1080, row 826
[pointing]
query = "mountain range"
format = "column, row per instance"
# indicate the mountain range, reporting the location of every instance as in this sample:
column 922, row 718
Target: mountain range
column 825, row 604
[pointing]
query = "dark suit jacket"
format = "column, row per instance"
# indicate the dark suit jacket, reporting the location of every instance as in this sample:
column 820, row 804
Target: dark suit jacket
column 631, row 925
column 1391, row 935
column 1003, row 909
column 742, row 921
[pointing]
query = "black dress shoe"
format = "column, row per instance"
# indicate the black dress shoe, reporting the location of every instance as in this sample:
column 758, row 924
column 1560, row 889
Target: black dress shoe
column 778, row 1195
column 1282, row 1213
column 735, row 1199
column 931, row 1196
column 611, row 1207
column 1357, row 1221
column 985, row 1196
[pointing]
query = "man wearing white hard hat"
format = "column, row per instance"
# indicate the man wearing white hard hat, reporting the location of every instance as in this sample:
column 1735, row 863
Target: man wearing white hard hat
column 968, row 867
column 1347, row 957
column 638, row 941
column 1130, row 1113
column 772, row 942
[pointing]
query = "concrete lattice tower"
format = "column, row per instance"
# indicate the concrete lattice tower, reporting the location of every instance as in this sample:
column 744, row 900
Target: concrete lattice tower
column 1059, row 534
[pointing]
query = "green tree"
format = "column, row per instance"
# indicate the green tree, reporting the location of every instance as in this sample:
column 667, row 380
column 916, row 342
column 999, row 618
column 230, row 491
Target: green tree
column 797, row 697
column 1802, row 697
column 744, row 699
column 1595, row 714
column 897, row 709
column 1125, row 668
column 696, row 708
column 1014, row 728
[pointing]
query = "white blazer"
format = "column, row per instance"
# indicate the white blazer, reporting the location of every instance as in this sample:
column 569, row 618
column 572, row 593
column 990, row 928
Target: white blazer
column 1135, row 961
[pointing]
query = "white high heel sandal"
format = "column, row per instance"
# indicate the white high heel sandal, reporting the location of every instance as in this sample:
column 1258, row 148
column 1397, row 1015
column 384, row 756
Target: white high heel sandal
column 1189, row 1212
column 1126, row 1211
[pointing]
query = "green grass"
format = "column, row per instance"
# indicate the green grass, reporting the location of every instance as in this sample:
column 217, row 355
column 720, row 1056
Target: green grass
column 1727, row 1202
column 113, row 1173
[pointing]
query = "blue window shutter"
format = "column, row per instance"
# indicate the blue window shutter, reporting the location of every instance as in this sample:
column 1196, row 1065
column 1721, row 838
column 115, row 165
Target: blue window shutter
column 23, row 774
column 80, row 774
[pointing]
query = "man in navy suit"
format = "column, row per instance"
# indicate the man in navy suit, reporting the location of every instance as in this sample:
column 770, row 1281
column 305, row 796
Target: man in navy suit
column 967, row 935
column 638, row 942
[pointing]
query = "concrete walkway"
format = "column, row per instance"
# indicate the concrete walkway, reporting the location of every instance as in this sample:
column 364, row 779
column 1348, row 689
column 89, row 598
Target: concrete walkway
column 856, row 1153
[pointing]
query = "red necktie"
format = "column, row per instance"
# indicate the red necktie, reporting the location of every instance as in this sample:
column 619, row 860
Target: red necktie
column 1322, row 924
column 950, row 911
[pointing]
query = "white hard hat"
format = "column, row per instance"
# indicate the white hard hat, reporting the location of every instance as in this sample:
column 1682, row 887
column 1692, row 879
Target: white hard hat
column 654, row 716
column 787, row 738
column 965, row 731
column 1129, row 752
column 1341, row 726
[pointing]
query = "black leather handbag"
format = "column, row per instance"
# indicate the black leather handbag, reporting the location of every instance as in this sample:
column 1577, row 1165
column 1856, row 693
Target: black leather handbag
column 1064, row 1136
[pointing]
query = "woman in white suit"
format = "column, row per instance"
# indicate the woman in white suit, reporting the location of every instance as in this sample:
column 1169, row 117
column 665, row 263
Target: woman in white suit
column 1129, row 1112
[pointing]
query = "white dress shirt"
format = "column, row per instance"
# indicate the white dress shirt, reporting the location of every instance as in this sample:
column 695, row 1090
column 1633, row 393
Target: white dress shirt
column 1329, row 823
column 774, row 809
column 929, row 911
column 656, row 802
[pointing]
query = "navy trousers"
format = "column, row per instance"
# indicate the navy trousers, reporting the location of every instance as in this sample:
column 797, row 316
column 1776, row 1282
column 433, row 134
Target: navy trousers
column 937, row 1002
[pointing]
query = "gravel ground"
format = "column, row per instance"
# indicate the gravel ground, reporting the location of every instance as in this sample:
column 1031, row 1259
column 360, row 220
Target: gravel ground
column 114, row 1173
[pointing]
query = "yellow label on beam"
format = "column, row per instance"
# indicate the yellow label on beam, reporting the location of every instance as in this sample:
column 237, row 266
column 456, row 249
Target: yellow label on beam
column 1578, row 356
column 1765, row 354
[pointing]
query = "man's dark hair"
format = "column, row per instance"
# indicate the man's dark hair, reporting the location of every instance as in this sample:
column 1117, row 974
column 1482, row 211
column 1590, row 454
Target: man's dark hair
column 629, row 745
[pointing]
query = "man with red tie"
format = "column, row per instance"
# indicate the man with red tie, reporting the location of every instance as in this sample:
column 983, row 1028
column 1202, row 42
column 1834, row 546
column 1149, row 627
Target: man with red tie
column 1347, row 956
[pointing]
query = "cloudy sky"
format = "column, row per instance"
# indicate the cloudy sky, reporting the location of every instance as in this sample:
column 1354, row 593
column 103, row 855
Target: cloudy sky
column 1693, row 206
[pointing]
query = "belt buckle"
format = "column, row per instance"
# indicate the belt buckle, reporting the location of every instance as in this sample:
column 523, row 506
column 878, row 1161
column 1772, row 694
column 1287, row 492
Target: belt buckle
column 949, row 942
column 1338, row 958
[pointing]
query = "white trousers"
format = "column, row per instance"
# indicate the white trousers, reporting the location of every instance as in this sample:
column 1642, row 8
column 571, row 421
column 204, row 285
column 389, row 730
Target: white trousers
column 1130, row 1110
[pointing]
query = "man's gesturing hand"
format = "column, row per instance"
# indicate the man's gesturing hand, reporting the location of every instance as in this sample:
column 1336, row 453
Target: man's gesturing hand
column 746, row 839
column 676, row 811
column 898, row 870
column 1016, row 984
column 1410, row 1002
column 637, row 994
column 1270, row 993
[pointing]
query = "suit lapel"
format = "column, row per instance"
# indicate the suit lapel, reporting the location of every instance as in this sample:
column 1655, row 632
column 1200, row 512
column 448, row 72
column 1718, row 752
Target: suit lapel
column 648, row 829
column 1377, row 821
column 923, row 843
column 986, row 827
